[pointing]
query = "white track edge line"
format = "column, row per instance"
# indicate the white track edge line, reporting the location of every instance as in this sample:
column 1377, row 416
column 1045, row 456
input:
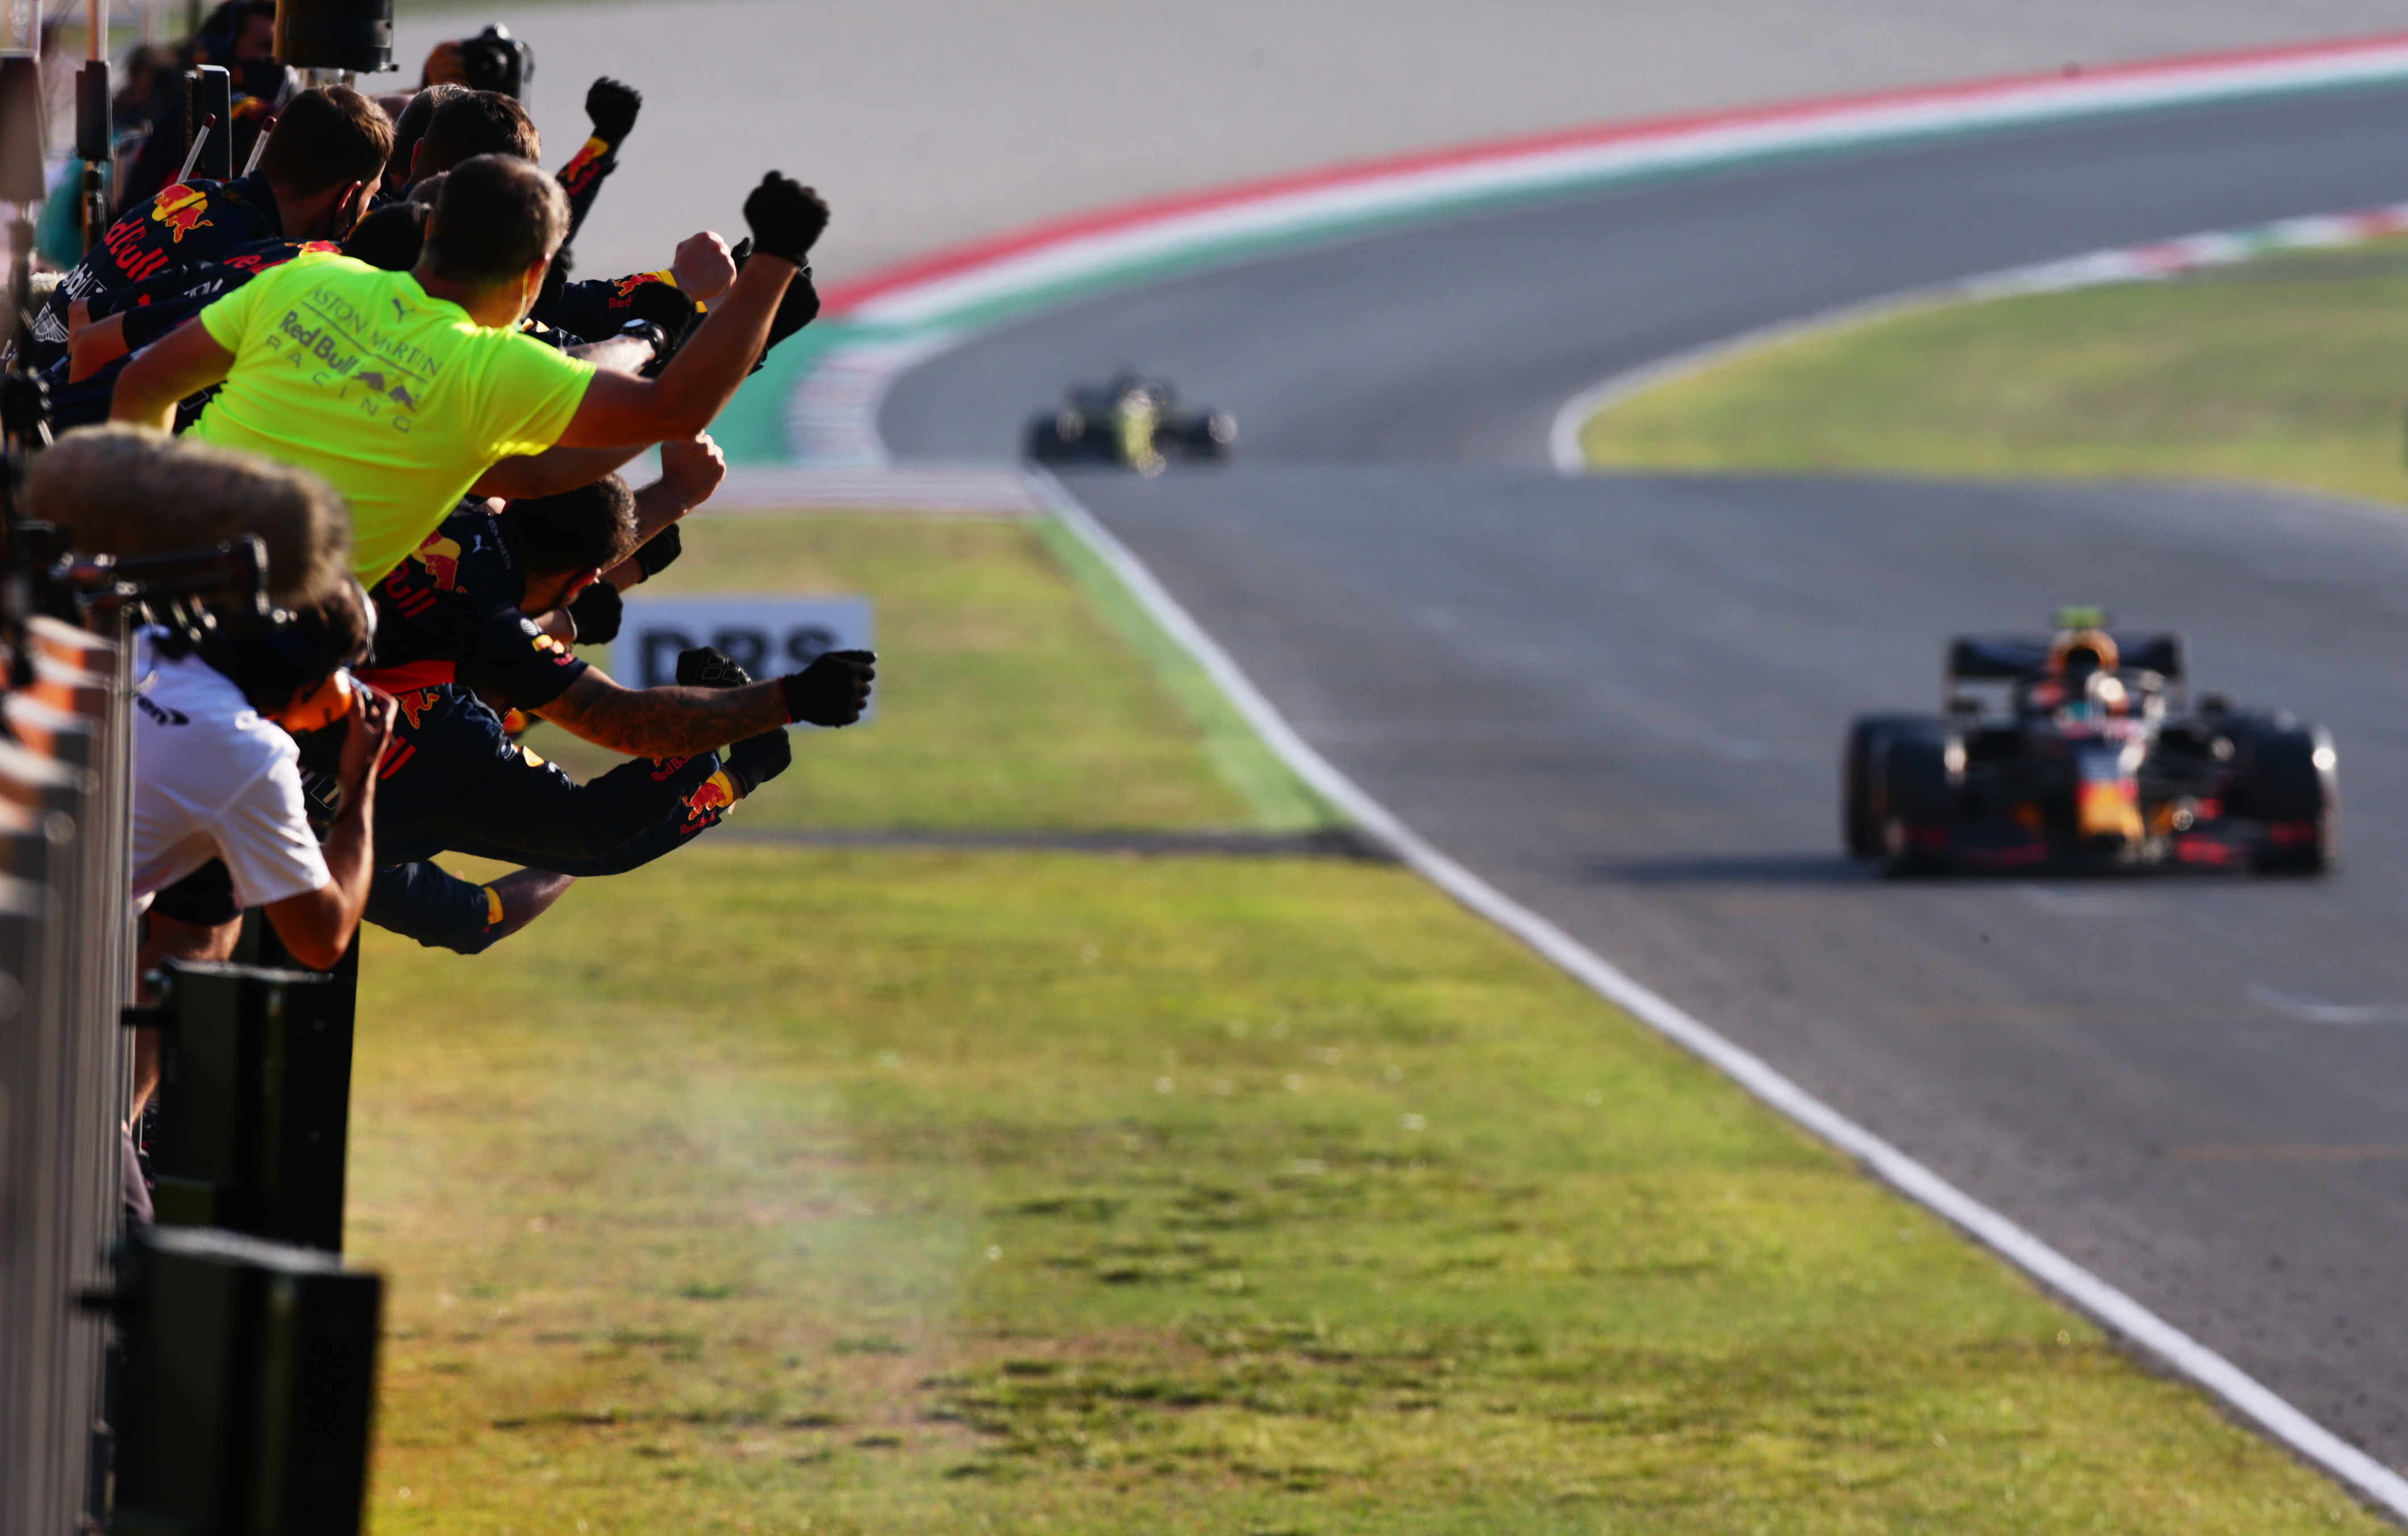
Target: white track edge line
column 2086, row 1292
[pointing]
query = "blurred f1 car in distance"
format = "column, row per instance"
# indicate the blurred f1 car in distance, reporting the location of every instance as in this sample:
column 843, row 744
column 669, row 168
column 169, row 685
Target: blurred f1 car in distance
column 1132, row 422
column 2085, row 755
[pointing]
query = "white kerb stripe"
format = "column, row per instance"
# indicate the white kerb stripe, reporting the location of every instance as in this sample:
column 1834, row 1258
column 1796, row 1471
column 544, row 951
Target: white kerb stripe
column 2086, row 1291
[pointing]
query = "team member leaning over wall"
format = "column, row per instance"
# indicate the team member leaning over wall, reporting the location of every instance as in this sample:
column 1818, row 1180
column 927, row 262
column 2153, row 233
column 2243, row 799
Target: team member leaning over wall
column 455, row 643
column 314, row 181
column 406, row 389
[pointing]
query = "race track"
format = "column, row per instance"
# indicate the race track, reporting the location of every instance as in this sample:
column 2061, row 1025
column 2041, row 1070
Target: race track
column 930, row 123
column 1620, row 699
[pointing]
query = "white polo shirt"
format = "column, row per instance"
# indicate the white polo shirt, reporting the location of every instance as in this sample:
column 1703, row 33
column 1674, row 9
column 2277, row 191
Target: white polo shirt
column 213, row 780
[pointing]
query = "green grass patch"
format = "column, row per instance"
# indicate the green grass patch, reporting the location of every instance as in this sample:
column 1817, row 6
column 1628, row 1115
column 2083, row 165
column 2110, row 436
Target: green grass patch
column 2285, row 370
column 779, row 1191
column 1004, row 700
column 769, row 1190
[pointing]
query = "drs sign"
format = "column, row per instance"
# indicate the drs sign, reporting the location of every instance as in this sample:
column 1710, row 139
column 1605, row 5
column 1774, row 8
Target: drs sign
column 765, row 636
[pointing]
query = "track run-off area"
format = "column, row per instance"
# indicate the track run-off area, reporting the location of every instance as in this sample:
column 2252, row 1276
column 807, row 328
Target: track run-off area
column 1614, row 703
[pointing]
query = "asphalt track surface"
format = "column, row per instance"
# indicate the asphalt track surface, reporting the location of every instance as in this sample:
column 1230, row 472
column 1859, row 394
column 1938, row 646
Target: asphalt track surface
column 1620, row 698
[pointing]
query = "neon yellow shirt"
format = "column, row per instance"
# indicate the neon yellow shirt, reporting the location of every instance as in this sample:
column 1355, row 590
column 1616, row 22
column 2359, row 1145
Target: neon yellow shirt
column 400, row 400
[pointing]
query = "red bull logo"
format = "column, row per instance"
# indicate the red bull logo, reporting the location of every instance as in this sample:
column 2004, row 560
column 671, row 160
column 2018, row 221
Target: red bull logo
column 441, row 558
column 711, row 799
column 124, row 241
column 582, row 170
column 413, row 703
column 2108, row 808
column 181, row 208
column 625, row 289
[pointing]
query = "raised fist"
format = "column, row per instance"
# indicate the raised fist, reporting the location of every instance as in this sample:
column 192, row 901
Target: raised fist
column 833, row 690
column 703, row 266
column 612, row 105
column 692, row 466
column 598, row 613
column 785, row 217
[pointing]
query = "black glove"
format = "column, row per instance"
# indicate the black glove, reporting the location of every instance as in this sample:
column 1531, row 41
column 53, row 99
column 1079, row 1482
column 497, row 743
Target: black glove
column 660, row 552
column 797, row 309
column 596, row 612
column 833, row 690
column 785, row 217
column 757, row 759
column 705, row 667
column 612, row 105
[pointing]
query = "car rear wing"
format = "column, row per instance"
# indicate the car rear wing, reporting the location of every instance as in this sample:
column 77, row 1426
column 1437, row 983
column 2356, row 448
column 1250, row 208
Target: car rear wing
column 2015, row 658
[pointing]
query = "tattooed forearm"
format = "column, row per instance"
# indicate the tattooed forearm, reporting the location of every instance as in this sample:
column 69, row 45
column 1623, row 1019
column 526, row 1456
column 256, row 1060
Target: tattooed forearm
column 665, row 722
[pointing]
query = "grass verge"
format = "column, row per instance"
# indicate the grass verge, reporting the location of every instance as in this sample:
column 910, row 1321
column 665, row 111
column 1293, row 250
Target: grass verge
column 776, row 1190
column 1004, row 700
column 911, row 1192
column 2283, row 371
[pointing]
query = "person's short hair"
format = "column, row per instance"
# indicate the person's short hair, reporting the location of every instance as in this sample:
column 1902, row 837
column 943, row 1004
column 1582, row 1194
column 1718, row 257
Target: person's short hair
column 128, row 491
column 272, row 658
column 408, row 128
column 389, row 238
column 590, row 528
column 428, row 190
column 479, row 123
column 324, row 138
column 339, row 626
column 497, row 216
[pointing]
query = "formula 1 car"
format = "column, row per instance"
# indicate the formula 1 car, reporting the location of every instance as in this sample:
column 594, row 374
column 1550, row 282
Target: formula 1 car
column 2086, row 757
column 1132, row 422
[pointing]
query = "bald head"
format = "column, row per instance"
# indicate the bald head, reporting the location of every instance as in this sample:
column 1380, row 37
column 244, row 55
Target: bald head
column 498, row 217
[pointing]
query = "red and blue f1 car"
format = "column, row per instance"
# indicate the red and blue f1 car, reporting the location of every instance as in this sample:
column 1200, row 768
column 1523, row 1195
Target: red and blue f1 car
column 2080, row 752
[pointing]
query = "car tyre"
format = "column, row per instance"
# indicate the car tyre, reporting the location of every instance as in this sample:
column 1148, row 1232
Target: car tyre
column 2290, row 788
column 1046, row 444
column 1863, row 794
column 1922, row 773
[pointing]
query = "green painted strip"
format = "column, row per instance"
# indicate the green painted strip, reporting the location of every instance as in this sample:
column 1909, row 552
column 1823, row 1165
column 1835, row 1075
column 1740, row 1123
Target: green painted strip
column 1281, row 801
column 753, row 429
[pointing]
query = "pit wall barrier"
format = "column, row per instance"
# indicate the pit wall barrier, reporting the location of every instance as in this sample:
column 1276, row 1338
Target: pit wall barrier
column 66, row 950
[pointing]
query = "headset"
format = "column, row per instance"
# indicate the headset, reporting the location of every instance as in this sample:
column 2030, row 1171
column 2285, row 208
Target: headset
column 290, row 666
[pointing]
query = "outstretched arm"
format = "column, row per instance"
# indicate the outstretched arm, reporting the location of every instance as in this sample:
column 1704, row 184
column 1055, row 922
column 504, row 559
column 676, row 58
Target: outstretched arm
column 665, row 722
column 678, row 721
column 180, row 364
column 522, row 476
column 702, row 378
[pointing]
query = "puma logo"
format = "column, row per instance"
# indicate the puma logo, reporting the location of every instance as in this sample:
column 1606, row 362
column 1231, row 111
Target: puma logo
column 400, row 311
